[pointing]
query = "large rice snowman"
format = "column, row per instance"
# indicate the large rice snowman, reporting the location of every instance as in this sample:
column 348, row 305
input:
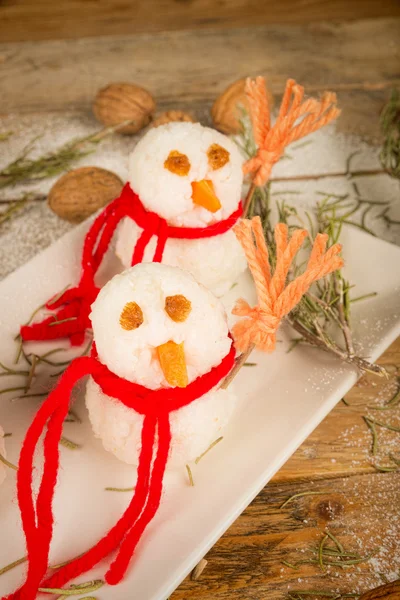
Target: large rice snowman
column 155, row 325
column 191, row 176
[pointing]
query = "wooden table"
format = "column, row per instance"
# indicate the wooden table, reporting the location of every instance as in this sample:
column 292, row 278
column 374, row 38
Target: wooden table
column 186, row 69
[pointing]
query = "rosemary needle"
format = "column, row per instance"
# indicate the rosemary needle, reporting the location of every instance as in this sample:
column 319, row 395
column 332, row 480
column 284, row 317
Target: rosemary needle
column 57, row 296
column 385, row 425
column 300, row 495
column 198, row 459
column 62, row 321
column 75, row 590
column 13, row 565
column 75, row 417
column 7, row 463
column 288, row 564
column 320, row 552
column 372, row 428
column 189, row 471
column 392, row 458
column 115, row 489
column 383, row 469
column 335, row 541
column 10, row 371
column 69, row 444
column 12, row 389
column 31, row 374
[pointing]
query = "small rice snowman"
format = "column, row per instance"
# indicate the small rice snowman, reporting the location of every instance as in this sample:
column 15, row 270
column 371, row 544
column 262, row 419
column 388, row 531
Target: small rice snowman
column 191, row 176
column 3, row 453
column 156, row 326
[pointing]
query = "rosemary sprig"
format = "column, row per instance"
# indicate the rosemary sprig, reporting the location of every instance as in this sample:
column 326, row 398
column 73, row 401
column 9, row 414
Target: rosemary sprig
column 390, row 126
column 328, row 556
column 330, row 304
column 24, row 169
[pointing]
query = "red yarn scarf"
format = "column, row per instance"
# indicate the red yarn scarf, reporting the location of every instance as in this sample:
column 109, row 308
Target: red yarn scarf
column 72, row 317
column 37, row 517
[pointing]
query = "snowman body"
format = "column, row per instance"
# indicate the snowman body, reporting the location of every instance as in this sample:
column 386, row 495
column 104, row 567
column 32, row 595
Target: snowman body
column 168, row 169
column 3, row 453
column 193, row 427
column 139, row 315
column 216, row 262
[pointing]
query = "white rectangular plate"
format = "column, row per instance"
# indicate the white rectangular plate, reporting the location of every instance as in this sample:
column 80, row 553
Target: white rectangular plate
column 283, row 399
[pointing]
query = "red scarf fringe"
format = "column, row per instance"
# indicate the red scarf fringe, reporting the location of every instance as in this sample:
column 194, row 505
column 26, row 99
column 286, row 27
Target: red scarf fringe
column 37, row 516
column 73, row 306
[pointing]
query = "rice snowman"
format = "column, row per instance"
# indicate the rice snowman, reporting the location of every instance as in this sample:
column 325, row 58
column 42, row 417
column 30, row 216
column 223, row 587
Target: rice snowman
column 191, row 176
column 156, row 326
column 3, row 453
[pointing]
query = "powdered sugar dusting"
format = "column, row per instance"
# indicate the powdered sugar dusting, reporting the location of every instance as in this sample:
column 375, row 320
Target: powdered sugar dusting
column 325, row 152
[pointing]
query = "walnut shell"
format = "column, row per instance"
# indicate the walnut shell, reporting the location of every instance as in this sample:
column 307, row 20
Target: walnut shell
column 119, row 102
column 80, row 192
column 170, row 116
column 226, row 113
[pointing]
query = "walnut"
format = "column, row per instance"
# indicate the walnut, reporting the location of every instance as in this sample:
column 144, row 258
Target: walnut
column 119, row 102
column 80, row 192
column 226, row 110
column 172, row 116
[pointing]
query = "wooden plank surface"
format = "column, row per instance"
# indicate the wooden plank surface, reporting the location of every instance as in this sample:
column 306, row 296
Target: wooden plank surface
column 361, row 60
column 22, row 20
column 194, row 66
column 358, row 505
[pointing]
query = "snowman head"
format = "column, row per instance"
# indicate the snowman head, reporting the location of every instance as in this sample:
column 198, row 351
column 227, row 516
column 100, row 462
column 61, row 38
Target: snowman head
column 188, row 174
column 155, row 325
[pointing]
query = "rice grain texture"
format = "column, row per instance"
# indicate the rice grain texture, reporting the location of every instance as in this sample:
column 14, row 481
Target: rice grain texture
column 216, row 262
column 132, row 354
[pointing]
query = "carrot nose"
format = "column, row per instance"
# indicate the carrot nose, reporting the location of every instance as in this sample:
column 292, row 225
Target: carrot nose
column 203, row 194
column 173, row 364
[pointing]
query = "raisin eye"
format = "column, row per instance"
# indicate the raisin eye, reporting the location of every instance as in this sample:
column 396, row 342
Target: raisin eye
column 178, row 307
column 131, row 316
column 177, row 163
column 217, row 156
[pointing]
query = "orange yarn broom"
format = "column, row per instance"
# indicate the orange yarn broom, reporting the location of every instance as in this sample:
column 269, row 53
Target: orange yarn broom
column 259, row 324
column 296, row 119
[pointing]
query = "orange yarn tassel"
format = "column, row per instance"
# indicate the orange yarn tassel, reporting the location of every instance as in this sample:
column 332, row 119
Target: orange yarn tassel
column 311, row 115
column 275, row 301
